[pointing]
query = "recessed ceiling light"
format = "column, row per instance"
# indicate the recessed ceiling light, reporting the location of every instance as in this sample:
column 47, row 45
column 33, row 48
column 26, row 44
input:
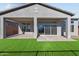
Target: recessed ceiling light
column 36, row 8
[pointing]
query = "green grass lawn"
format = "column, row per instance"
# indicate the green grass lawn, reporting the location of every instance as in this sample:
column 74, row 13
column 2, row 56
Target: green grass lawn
column 24, row 47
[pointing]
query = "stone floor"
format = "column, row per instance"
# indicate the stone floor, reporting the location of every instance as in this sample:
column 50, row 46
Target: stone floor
column 75, row 37
column 20, row 36
column 40, row 38
column 53, row 38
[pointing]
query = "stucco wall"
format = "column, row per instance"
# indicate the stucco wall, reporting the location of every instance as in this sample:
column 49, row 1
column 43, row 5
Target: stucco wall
column 75, row 33
column 1, row 27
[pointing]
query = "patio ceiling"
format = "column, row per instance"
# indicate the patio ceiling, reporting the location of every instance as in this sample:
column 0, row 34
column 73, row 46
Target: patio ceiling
column 22, row 20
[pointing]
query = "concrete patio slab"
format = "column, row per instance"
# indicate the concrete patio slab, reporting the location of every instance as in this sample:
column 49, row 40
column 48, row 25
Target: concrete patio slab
column 53, row 38
column 21, row 36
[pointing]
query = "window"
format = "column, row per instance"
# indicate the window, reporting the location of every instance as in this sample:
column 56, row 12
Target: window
column 26, row 27
column 41, row 28
column 72, row 28
column 72, row 21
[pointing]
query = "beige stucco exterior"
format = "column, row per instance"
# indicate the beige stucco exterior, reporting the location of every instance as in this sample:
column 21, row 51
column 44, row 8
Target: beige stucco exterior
column 39, row 13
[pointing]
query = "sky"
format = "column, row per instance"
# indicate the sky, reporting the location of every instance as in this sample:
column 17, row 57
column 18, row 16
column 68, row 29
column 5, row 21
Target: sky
column 71, row 7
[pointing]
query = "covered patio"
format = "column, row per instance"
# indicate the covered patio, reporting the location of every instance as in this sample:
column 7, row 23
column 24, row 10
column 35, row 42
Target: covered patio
column 18, row 27
column 51, row 26
column 36, row 20
column 40, row 28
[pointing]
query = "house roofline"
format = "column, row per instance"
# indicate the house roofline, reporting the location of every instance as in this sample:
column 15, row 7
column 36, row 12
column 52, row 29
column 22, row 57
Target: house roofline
column 57, row 9
column 30, row 4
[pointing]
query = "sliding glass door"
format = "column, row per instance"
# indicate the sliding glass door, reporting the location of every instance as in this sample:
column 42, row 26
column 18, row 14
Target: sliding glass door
column 53, row 30
column 47, row 29
column 50, row 29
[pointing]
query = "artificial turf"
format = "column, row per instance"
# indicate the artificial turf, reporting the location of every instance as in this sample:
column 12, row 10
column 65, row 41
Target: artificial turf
column 32, row 47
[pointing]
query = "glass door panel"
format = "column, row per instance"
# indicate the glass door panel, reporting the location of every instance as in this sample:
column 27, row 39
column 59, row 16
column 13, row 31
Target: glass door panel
column 26, row 27
column 47, row 30
column 50, row 30
column 41, row 29
column 53, row 30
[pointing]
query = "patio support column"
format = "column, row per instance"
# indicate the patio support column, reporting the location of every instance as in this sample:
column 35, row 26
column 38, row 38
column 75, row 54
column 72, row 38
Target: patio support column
column 59, row 30
column 35, row 27
column 68, row 27
column 19, row 29
column 1, row 27
column 76, row 28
